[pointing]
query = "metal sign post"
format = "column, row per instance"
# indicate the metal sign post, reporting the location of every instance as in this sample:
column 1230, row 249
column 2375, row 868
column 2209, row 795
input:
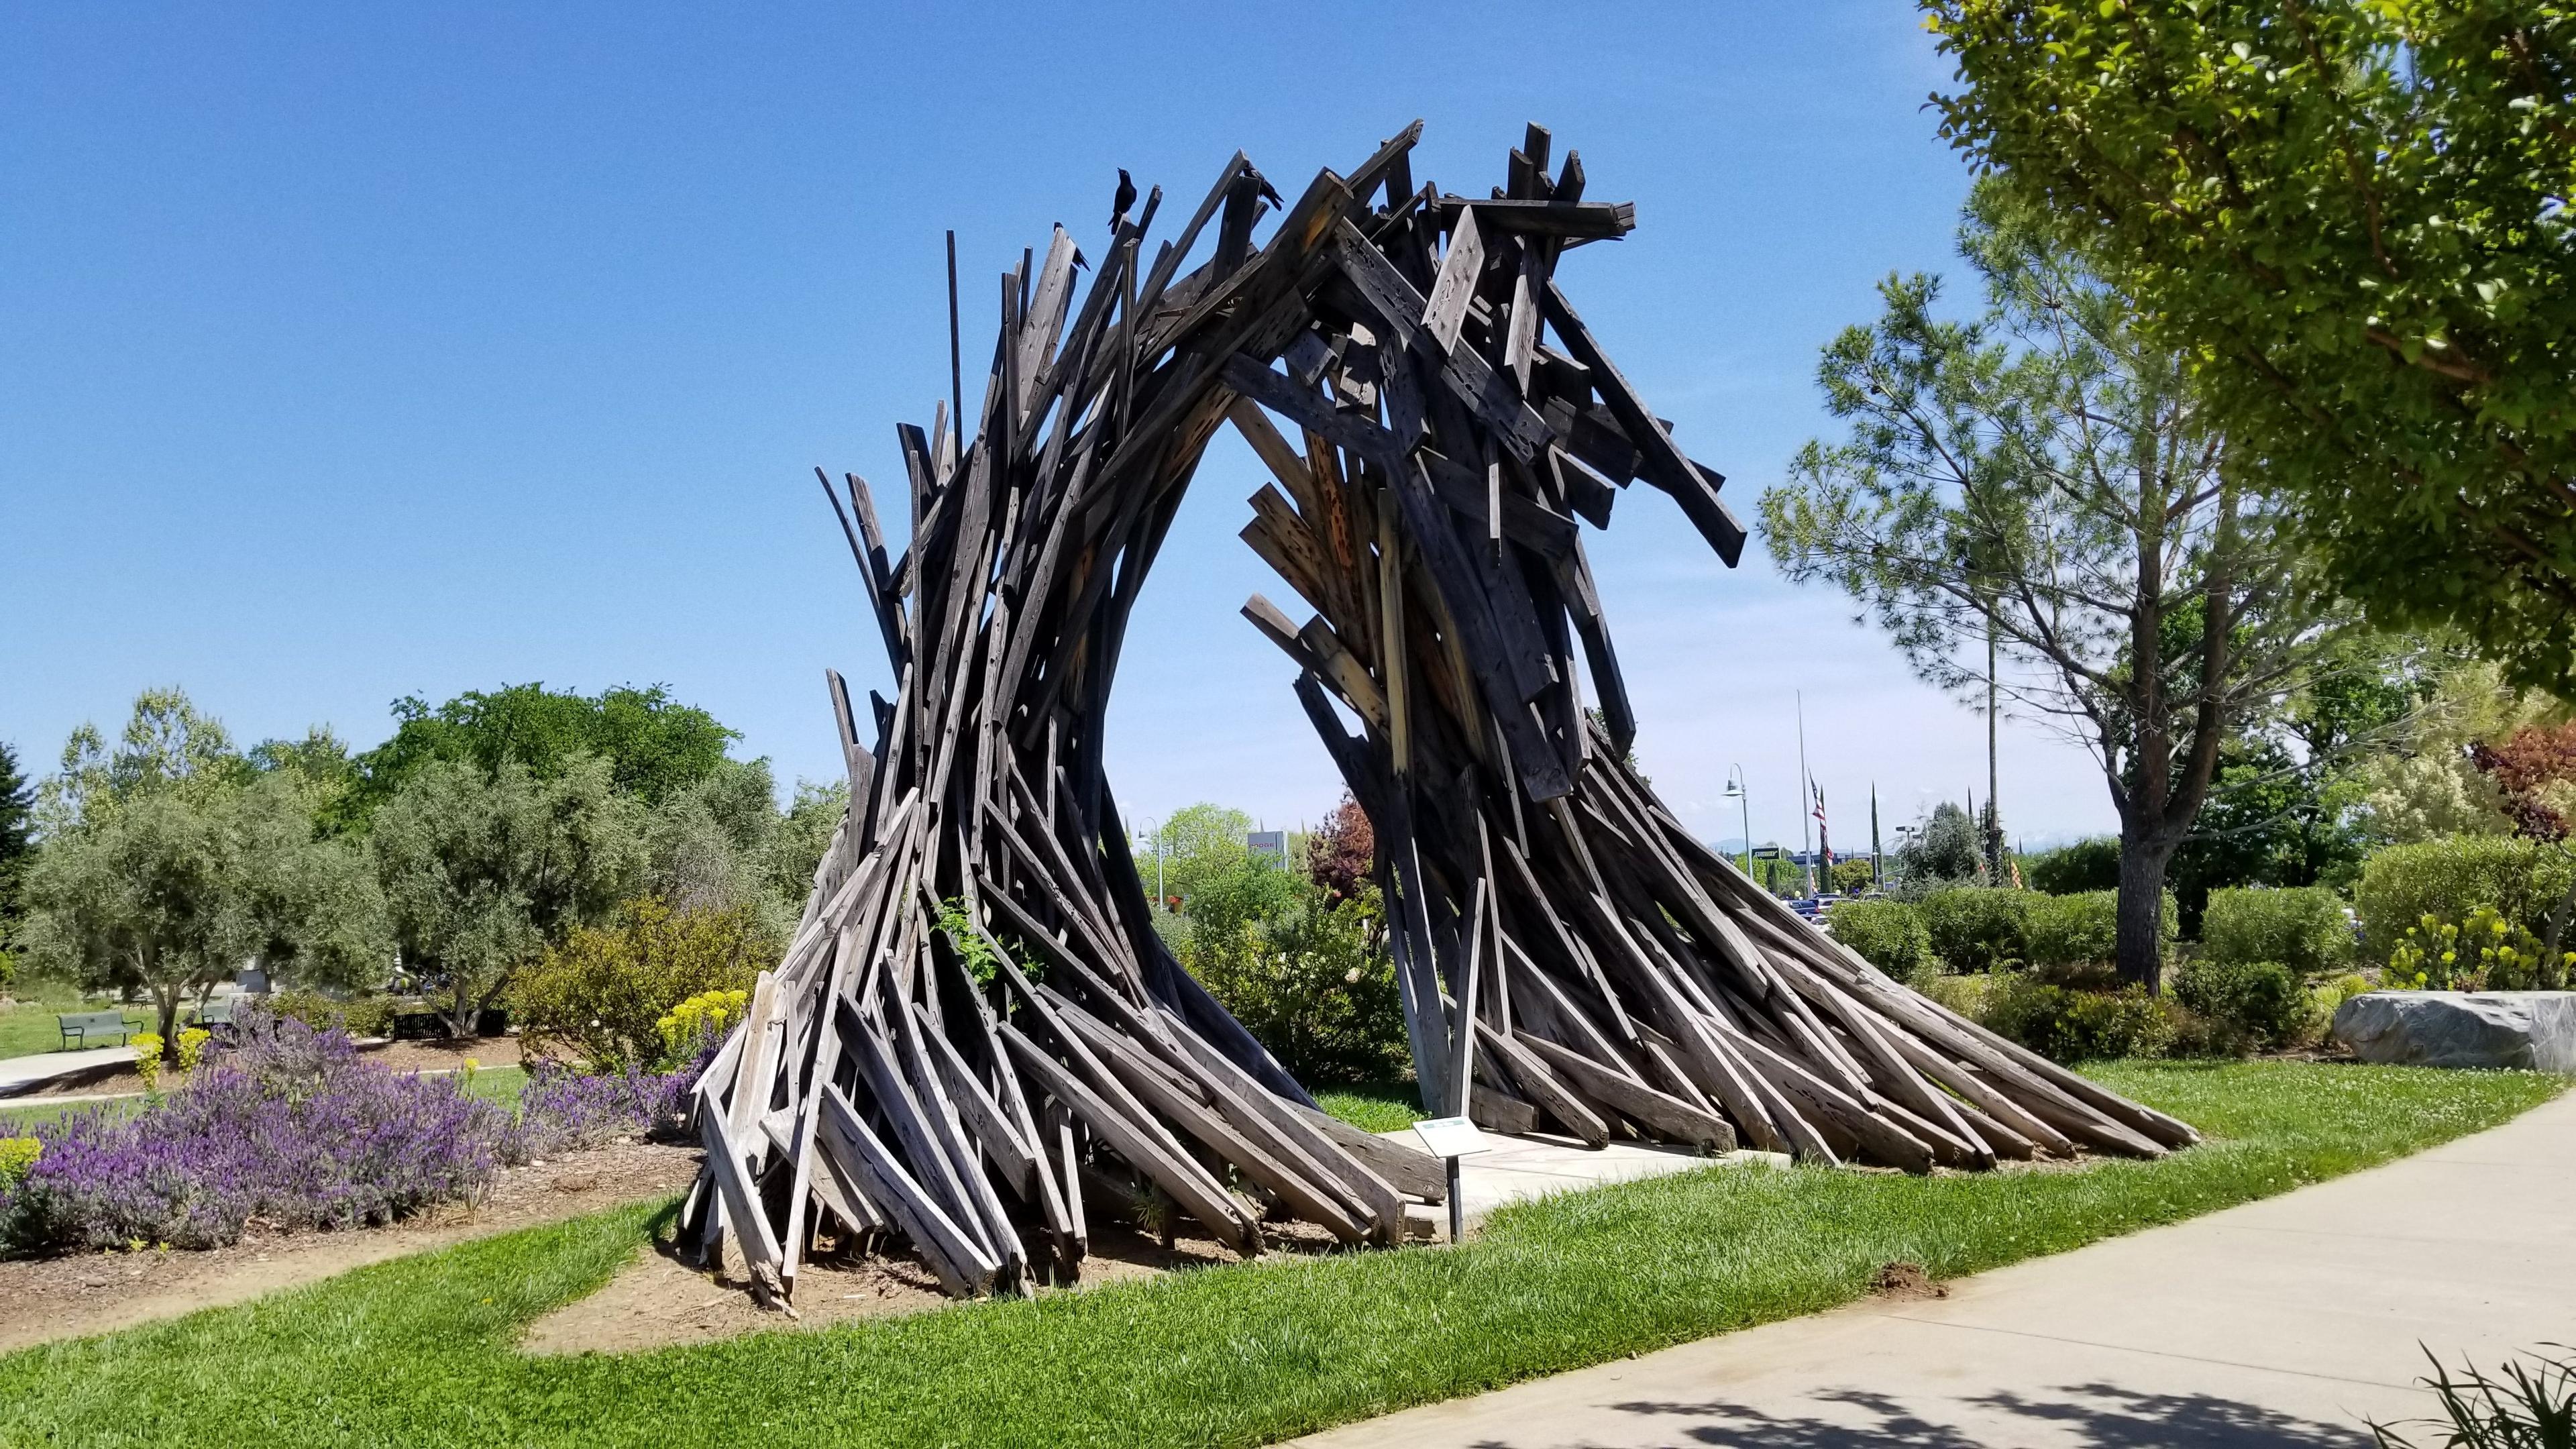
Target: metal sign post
column 1450, row 1138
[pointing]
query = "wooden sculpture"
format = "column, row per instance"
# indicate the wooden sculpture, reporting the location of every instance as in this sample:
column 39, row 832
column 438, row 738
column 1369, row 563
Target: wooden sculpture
column 976, row 1034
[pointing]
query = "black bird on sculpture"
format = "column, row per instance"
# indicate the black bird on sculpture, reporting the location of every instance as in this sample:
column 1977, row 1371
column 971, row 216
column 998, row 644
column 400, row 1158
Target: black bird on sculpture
column 1126, row 198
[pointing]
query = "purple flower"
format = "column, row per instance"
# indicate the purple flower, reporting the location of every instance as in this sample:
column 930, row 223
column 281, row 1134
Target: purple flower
column 291, row 1127
column 288, row 1126
column 564, row 1111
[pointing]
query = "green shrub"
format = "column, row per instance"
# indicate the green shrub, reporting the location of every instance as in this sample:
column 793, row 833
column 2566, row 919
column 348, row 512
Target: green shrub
column 2486, row 952
column 359, row 1016
column 2301, row 927
column 2085, row 866
column 1309, row 976
column 2082, row 929
column 2066, row 1024
column 1851, row 877
column 2265, row 1000
column 1978, row 928
column 2448, row 879
column 1888, row 934
column 17, row 1155
column 2195, row 1035
column 2074, row 930
column 603, row 993
column 1965, row 995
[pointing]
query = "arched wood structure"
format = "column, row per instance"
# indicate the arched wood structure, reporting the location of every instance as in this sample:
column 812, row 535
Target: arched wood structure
column 976, row 1039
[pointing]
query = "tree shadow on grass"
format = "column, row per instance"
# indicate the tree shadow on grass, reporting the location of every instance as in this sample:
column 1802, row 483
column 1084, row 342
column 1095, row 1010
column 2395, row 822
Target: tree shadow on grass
column 2093, row 1415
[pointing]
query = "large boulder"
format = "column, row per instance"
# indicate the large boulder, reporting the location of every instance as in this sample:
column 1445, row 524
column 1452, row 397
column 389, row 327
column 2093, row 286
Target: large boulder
column 2530, row 1029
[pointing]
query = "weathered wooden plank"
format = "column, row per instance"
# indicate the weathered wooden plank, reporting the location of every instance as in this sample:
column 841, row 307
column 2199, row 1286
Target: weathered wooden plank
column 964, row 1267
column 1276, row 1125
column 1668, row 1115
column 1584, row 220
column 1662, row 463
column 1199, row 1119
column 743, row 1209
column 1384, row 292
column 1461, row 267
column 1503, row 1113
column 1540, row 1086
column 1215, row 1210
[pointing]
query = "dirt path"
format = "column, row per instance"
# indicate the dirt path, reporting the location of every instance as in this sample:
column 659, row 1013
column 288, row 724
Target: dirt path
column 53, row 1298
column 657, row 1301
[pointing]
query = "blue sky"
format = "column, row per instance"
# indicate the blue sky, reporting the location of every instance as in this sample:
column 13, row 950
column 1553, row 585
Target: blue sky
column 362, row 351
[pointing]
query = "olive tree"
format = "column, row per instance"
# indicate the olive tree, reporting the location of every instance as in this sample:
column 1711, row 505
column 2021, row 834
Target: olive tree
column 2044, row 477
column 172, row 862
column 484, row 869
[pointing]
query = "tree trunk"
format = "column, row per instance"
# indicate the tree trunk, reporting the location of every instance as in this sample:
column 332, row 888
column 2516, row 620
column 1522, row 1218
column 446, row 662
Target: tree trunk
column 2141, row 911
column 1993, row 832
column 461, row 1013
column 165, row 1000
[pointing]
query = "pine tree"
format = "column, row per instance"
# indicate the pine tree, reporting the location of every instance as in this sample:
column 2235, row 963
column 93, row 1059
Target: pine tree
column 17, row 833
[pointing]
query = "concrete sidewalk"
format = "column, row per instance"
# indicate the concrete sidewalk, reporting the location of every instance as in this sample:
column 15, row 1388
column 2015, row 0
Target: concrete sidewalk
column 2285, row 1322
column 1517, row 1169
column 20, row 1076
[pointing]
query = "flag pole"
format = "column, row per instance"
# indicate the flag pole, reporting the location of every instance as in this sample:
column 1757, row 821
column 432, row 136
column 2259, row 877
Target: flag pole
column 1806, row 837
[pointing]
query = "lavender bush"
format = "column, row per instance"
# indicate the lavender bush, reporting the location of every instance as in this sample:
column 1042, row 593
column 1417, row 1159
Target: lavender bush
column 287, row 1126
column 565, row 1111
column 290, row 1127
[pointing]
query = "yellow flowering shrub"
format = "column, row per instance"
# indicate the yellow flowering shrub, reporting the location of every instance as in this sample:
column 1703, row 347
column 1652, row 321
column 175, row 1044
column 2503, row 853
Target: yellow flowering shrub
column 2485, row 952
column 147, row 1059
column 17, row 1156
column 602, row 994
column 704, row 1015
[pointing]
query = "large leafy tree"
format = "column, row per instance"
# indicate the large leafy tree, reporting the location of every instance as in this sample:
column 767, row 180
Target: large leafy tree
column 483, row 870
column 172, row 861
column 2045, row 472
column 2426, row 785
column 1198, row 844
column 2287, row 806
column 2354, row 215
column 655, row 747
column 167, row 744
column 720, row 843
column 1941, row 848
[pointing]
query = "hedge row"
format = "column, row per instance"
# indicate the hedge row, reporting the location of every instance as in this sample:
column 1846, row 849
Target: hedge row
column 2523, row 880
column 1976, row 928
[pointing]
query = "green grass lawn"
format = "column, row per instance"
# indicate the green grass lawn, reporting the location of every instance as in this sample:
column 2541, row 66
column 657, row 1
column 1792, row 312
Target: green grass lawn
column 419, row 1350
column 18, row 1121
column 28, row 1026
column 1374, row 1106
column 500, row 1084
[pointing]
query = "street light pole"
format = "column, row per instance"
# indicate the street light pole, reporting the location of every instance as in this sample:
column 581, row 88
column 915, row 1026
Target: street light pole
column 1157, row 835
column 1743, row 797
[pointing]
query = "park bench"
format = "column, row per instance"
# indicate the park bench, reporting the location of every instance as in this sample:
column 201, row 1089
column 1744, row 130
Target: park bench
column 77, row 1025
